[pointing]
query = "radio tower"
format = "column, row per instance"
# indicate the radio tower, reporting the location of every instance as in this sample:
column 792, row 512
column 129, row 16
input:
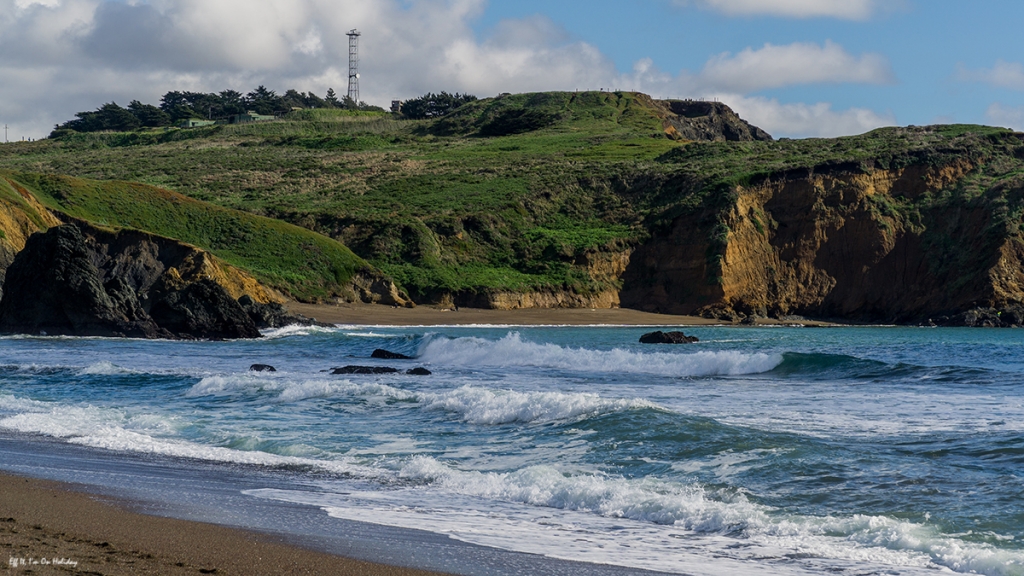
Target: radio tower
column 353, row 65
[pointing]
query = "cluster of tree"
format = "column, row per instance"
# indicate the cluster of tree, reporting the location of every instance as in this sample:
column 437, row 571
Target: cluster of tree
column 177, row 106
column 432, row 105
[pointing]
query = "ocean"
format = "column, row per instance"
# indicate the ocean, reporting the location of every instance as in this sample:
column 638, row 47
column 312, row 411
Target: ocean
column 758, row 450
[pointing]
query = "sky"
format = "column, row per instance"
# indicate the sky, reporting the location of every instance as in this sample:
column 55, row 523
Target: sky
column 796, row 68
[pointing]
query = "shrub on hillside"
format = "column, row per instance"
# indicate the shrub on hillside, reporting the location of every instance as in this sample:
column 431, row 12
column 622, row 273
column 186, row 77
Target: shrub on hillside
column 432, row 105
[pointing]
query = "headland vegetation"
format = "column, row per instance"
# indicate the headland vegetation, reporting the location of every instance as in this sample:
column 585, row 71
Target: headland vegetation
column 565, row 200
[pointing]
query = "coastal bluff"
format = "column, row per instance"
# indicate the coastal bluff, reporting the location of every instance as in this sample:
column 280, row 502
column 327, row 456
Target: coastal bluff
column 933, row 239
column 79, row 280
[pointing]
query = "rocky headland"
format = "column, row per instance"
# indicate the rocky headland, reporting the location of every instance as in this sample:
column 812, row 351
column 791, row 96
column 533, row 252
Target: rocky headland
column 79, row 280
column 545, row 200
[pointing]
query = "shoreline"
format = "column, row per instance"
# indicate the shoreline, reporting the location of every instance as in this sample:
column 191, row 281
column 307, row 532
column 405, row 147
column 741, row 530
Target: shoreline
column 427, row 315
column 65, row 527
column 118, row 513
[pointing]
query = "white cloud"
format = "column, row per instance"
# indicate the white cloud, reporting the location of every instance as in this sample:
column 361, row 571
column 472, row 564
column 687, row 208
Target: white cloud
column 62, row 57
column 1007, row 116
column 843, row 9
column 311, row 44
column 801, row 120
column 798, row 63
column 1002, row 75
column 27, row 3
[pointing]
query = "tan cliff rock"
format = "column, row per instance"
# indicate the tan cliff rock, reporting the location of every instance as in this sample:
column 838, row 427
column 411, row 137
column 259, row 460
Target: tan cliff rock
column 837, row 244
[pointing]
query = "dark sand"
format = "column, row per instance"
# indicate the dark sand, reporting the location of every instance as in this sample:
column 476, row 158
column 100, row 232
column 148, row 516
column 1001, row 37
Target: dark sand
column 42, row 521
column 434, row 316
column 372, row 314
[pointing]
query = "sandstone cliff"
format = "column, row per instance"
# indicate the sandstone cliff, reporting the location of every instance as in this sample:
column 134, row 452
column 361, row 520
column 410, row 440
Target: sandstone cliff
column 932, row 238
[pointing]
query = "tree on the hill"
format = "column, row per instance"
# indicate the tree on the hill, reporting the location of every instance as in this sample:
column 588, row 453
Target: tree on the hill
column 332, row 98
column 149, row 116
column 232, row 102
column 263, row 101
column 107, row 117
column 178, row 106
column 432, row 105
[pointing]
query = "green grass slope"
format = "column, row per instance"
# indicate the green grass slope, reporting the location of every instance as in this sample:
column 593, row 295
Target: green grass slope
column 521, row 192
column 294, row 260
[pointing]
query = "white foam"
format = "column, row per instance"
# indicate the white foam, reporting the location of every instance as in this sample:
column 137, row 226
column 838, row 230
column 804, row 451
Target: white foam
column 486, row 406
column 512, row 351
column 114, row 429
column 290, row 390
column 11, row 403
column 105, row 369
column 476, row 405
column 296, row 330
column 650, row 524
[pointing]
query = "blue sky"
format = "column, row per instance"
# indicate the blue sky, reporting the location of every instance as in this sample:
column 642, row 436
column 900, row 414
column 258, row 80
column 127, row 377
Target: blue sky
column 797, row 68
column 927, row 44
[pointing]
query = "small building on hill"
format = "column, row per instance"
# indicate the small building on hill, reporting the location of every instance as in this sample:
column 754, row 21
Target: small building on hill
column 195, row 123
column 250, row 116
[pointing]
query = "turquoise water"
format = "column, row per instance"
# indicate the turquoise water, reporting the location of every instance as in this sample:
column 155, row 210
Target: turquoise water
column 758, row 450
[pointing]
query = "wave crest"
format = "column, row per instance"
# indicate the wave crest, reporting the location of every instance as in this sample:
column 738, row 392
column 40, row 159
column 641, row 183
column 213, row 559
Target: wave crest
column 512, row 350
column 486, row 406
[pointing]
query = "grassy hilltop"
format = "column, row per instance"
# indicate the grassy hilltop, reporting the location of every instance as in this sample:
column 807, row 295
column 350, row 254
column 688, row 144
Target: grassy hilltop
column 293, row 260
column 531, row 192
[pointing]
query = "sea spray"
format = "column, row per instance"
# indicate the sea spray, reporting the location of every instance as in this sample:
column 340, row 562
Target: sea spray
column 512, row 350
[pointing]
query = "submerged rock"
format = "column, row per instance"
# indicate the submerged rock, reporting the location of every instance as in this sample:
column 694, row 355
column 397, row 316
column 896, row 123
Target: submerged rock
column 660, row 337
column 364, row 370
column 262, row 368
column 418, row 371
column 389, row 355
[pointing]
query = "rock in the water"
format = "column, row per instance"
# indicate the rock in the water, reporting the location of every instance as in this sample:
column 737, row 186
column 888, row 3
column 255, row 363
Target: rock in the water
column 418, row 371
column 78, row 280
column 388, row 355
column 660, row 337
column 1007, row 317
column 364, row 370
column 262, row 368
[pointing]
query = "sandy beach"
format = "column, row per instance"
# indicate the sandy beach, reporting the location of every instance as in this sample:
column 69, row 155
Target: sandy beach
column 51, row 528
column 427, row 315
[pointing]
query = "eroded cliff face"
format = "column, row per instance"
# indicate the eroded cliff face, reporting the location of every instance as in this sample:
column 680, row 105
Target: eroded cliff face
column 21, row 215
column 894, row 245
column 79, row 280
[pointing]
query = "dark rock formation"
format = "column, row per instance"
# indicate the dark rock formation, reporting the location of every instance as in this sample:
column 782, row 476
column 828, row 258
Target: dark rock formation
column 418, row 371
column 364, row 370
column 262, row 368
column 203, row 310
column 53, row 287
column 78, row 280
column 389, row 355
column 660, row 337
column 1009, row 317
column 707, row 121
column 272, row 314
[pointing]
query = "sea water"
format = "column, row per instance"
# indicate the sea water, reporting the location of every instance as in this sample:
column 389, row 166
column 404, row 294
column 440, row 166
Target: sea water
column 853, row 450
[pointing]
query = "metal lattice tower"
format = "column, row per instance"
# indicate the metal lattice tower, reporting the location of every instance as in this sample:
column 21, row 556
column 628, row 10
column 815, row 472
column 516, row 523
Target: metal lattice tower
column 353, row 65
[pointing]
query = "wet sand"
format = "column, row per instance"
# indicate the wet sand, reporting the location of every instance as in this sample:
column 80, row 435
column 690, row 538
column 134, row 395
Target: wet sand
column 51, row 528
column 434, row 316
column 373, row 314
